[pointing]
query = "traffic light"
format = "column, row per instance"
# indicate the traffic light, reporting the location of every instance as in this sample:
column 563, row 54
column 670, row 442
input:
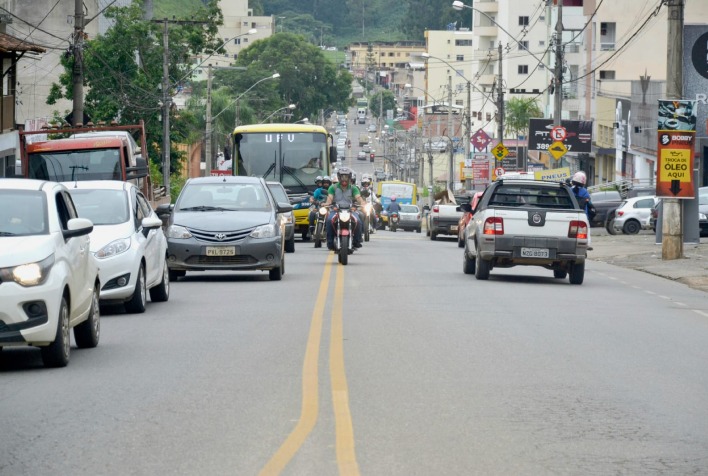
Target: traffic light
column 371, row 157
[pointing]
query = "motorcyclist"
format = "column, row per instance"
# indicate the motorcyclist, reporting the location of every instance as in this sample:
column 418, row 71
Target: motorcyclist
column 582, row 196
column 344, row 194
column 367, row 192
column 318, row 196
column 393, row 206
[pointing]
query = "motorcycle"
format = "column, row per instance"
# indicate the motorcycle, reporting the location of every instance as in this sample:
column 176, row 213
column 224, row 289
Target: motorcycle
column 393, row 219
column 320, row 233
column 369, row 219
column 343, row 224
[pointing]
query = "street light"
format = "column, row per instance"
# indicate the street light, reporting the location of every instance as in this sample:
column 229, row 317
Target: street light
column 290, row 107
column 273, row 76
column 304, row 120
column 252, row 31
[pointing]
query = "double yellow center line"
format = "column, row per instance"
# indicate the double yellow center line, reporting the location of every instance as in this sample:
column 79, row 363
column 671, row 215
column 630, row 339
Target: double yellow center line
column 344, row 430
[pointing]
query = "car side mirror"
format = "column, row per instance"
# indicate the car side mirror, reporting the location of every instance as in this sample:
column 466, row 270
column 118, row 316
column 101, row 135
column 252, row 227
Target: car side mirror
column 465, row 208
column 284, row 207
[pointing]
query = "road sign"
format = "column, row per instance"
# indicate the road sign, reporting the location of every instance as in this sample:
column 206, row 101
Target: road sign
column 557, row 149
column 500, row 151
column 480, row 140
column 558, row 133
column 499, row 171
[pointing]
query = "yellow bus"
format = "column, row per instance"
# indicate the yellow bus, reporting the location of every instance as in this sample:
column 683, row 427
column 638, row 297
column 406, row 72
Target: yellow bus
column 292, row 154
column 405, row 192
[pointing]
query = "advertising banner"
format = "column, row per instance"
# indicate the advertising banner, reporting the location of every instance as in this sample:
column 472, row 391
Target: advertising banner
column 578, row 135
column 677, row 135
column 553, row 175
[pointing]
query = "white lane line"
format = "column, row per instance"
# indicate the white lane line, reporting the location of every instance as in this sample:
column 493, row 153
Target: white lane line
column 704, row 314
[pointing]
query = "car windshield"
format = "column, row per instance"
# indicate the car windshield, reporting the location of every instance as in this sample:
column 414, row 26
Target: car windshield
column 65, row 166
column 409, row 209
column 23, row 212
column 223, row 196
column 102, row 207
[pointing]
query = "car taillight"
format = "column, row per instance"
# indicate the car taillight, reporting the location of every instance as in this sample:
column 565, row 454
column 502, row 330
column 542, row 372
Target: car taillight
column 436, row 208
column 578, row 229
column 620, row 213
column 494, row 226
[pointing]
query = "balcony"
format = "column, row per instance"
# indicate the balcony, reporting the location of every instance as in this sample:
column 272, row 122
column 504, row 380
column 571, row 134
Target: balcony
column 487, row 6
column 491, row 30
column 487, row 79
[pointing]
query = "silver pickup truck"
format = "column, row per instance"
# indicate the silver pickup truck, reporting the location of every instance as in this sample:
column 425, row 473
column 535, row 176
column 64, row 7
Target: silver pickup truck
column 443, row 220
column 527, row 223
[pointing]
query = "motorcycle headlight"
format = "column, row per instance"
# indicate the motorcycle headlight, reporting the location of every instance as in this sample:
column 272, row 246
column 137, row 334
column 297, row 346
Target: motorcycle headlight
column 344, row 215
column 29, row 274
column 114, row 248
column 264, row 231
column 323, row 210
column 178, row 232
column 367, row 208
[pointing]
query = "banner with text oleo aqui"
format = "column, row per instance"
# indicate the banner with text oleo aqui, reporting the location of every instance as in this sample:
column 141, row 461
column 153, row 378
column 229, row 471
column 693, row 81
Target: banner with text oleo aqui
column 675, row 152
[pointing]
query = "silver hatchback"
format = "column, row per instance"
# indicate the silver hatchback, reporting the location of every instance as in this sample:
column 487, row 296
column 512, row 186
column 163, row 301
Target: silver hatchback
column 225, row 223
column 410, row 218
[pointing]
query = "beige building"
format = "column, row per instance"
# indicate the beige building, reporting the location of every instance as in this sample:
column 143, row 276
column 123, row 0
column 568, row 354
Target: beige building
column 389, row 63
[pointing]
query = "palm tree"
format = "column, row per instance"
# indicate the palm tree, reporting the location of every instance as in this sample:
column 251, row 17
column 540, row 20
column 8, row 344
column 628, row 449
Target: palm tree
column 518, row 113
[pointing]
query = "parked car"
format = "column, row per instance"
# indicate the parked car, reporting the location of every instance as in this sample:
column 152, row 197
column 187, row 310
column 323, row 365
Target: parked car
column 227, row 223
column 127, row 241
column 607, row 201
column 410, row 218
column 633, row 215
column 281, row 196
column 702, row 214
column 467, row 214
column 50, row 280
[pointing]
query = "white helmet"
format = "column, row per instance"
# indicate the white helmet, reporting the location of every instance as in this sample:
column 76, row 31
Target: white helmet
column 579, row 178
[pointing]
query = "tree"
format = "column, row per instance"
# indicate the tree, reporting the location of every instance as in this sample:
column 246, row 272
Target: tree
column 307, row 78
column 431, row 15
column 381, row 102
column 518, row 113
column 123, row 71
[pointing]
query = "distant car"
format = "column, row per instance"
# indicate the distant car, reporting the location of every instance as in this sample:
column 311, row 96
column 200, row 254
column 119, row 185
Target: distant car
column 281, row 196
column 371, row 128
column 410, row 218
column 633, row 215
column 227, row 223
column 366, row 148
column 127, row 241
column 49, row 279
column 361, row 155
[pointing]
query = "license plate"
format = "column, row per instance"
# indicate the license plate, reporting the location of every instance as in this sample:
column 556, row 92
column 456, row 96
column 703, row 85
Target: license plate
column 453, row 228
column 535, row 253
column 221, row 251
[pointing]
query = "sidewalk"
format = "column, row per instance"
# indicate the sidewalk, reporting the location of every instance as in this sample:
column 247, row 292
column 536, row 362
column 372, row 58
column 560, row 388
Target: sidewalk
column 640, row 252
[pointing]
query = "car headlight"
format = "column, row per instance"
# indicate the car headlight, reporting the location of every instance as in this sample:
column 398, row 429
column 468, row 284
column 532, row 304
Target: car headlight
column 29, row 274
column 178, row 232
column 114, row 248
column 264, row 231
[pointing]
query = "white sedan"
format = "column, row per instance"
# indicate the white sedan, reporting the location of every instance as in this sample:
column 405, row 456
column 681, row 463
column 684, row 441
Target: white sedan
column 127, row 241
column 49, row 281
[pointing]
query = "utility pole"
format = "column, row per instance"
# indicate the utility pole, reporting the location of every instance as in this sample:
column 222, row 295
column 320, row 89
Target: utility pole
column 558, row 73
column 672, row 226
column 207, row 146
column 500, row 102
column 451, row 177
column 165, row 108
column 78, row 70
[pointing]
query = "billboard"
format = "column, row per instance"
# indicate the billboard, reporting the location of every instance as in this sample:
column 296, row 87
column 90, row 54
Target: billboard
column 578, row 135
column 676, row 131
column 695, row 72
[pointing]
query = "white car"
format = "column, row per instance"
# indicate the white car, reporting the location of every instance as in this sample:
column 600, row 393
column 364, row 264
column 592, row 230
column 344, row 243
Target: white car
column 127, row 241
column 49, row 280
column 633, row 214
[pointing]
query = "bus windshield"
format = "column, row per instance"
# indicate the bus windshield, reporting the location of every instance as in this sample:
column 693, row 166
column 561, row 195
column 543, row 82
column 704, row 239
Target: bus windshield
column 294, row 159
column 63, row 166
column 405, row 192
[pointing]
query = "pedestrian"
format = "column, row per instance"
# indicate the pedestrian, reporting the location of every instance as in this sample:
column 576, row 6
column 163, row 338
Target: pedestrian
column 582, row 195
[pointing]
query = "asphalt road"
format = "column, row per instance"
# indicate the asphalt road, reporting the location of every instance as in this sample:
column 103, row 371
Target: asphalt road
column 397, row 364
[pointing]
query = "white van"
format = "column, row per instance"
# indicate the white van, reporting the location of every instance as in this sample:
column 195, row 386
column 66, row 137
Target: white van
column 361, row 115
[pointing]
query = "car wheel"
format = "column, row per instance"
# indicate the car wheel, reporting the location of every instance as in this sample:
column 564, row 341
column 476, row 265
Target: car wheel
column 433, row 236
column 290, row 245
column 577, row 273
column 559, row 274
column 468, row 263
column 57, row 353
column 632, row 227
column 137, row 302
column 161, row 292
column 481, row 268
column 88, row 332
column 175, row 274
column 276, row 274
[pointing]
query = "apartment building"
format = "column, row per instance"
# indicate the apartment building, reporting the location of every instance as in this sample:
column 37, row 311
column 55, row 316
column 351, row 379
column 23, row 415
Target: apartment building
column 385, row 63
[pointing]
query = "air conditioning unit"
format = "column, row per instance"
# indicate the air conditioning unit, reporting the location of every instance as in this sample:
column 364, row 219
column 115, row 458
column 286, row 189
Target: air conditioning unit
column 615, row 125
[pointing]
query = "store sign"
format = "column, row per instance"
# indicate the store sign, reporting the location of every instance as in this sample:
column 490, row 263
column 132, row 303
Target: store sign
column 578, row 135
column 677, row 136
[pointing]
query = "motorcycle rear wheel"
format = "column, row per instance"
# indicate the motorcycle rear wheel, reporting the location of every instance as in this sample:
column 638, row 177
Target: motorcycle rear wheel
column 318, row 235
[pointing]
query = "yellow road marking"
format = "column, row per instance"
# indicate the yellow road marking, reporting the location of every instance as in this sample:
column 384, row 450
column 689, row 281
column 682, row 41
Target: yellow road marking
column 310, row 383
column 346, row 456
